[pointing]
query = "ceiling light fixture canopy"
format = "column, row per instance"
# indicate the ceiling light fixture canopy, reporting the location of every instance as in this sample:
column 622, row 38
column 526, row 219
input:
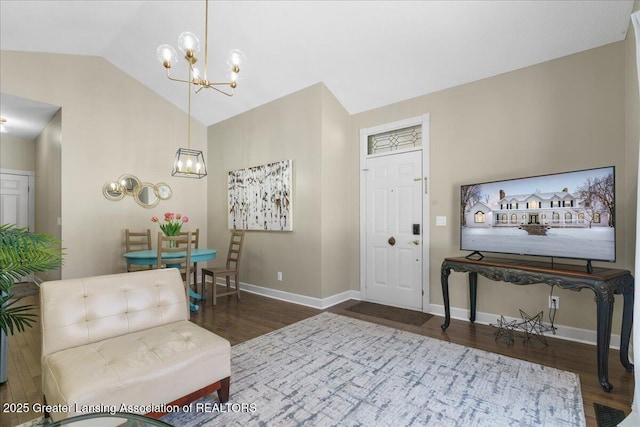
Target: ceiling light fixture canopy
column 3, row 125
column 190, row 163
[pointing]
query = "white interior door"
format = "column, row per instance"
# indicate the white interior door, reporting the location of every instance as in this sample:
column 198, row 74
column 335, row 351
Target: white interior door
column 14, row 202
column 394, row 186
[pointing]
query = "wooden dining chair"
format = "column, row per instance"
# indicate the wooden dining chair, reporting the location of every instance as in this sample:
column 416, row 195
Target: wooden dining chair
column 165, row 260
column 232, row 268
column 195, row 241
column 137, row 241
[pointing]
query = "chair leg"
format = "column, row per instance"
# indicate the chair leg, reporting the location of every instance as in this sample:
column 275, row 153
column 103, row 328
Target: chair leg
column 237, row 287
column 214, row 287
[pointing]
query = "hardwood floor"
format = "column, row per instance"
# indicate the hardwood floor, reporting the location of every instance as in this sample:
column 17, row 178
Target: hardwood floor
column 254, row 315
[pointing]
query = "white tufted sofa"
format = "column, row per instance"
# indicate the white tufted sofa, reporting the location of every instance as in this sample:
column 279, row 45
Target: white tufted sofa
column 126, row 339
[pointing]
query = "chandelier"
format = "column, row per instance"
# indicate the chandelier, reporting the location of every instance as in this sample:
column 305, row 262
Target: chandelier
column 190, row 163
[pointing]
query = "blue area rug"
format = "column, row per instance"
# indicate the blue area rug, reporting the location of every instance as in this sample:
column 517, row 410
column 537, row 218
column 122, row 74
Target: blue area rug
column 335, row 370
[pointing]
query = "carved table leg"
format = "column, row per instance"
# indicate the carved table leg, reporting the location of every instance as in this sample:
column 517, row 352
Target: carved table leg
column 444, row 280
column 604, row 304
column 627, row 323
column 473, row 293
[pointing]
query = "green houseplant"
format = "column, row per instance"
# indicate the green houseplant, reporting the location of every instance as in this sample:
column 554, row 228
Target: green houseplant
column 22, row 253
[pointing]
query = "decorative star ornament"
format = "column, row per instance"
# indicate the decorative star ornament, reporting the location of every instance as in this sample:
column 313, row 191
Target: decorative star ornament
column 532, row 327
column 505, row 330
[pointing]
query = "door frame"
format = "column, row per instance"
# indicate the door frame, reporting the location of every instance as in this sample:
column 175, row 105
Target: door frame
column 422, row 120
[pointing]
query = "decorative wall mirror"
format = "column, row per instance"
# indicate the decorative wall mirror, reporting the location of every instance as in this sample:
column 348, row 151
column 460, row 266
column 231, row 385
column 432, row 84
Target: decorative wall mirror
column 129, row 184
column 145, row 194
column 113, row 191
column 163, row 191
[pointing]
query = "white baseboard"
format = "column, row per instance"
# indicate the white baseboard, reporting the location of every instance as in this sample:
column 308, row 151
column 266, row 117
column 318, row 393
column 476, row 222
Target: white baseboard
column 319, row 303
column 569, row 333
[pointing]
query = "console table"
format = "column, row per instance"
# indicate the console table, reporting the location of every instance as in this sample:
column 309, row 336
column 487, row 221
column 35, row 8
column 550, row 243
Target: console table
column 604, row 282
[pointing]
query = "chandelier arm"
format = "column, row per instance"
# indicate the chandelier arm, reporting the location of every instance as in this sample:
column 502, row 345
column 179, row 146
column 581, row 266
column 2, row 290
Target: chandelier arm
column 217, row 84
column 229, row 94
column 177, row 80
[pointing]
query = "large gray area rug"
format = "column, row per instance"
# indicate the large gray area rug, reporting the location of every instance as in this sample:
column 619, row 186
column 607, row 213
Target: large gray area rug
column 334, row 370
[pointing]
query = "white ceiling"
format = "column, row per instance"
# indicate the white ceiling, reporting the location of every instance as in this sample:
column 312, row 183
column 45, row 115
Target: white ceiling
column 26, row 118
column 368, row 53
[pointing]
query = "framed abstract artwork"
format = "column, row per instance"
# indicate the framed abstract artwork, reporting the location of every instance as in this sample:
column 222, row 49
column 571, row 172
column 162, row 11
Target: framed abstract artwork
column 260, row 197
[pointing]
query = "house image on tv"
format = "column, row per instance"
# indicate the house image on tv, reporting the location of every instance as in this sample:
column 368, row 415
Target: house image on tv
column 558, row 209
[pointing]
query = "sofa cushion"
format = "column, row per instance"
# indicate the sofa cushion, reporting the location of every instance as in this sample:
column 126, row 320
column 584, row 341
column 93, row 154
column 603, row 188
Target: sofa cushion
column 153, row 366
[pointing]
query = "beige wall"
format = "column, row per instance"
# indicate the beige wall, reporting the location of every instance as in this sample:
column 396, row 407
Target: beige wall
column 319, row 257
column 339, row 215
column 17, row 153
column 112, row 125
column 288, row 128
column 561, row 115
column 48, row 160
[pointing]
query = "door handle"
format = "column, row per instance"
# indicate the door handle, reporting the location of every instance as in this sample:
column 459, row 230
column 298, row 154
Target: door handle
column 392, row 240
column 415, row 242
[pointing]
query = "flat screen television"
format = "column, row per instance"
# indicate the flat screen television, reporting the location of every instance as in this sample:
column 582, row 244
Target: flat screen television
column 564, row 215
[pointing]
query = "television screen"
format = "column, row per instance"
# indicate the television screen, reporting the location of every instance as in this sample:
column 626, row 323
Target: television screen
column 566, row 215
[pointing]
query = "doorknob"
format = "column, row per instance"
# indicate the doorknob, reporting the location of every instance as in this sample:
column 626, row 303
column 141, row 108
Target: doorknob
column 416, row 242
column 392, row 240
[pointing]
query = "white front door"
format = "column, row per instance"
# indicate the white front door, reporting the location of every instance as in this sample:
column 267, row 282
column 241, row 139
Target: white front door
column 394, row 229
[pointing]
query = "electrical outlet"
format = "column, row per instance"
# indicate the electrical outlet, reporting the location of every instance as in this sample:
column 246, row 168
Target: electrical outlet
column 554, row 302
column 279, row 276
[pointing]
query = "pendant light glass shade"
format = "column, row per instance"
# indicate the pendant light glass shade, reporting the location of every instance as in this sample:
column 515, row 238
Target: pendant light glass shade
column 167, row 55
column 189, row 164
column 188, row 43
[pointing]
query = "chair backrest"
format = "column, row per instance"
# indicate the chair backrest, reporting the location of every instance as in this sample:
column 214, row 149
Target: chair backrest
column 195, row 237
column 235, row 250
column 167, row 251
column 137, row 241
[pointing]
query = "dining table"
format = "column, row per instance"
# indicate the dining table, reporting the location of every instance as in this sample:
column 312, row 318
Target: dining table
column 150, row 257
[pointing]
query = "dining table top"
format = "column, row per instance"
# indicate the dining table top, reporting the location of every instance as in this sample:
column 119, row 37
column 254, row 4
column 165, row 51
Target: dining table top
column 150, row 257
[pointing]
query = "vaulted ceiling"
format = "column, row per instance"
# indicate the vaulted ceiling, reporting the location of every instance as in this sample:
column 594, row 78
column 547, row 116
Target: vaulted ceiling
column 368, row 53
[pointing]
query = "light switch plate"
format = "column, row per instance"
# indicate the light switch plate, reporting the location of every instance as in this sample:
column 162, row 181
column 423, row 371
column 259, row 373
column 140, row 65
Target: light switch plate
column 441, row 221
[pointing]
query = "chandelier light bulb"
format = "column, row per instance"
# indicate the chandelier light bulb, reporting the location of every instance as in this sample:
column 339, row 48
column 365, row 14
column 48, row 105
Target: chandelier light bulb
column 188, row 43
column 167, row 55
column 236, row 59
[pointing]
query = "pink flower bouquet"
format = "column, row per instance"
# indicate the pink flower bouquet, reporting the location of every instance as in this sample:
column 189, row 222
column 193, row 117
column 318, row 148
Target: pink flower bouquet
column 172, row 223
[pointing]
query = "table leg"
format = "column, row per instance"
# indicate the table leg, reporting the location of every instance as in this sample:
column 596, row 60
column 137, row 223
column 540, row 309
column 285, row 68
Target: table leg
column 473, row 292
column 604, row 307
column 444, row 281
column 627, row 323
